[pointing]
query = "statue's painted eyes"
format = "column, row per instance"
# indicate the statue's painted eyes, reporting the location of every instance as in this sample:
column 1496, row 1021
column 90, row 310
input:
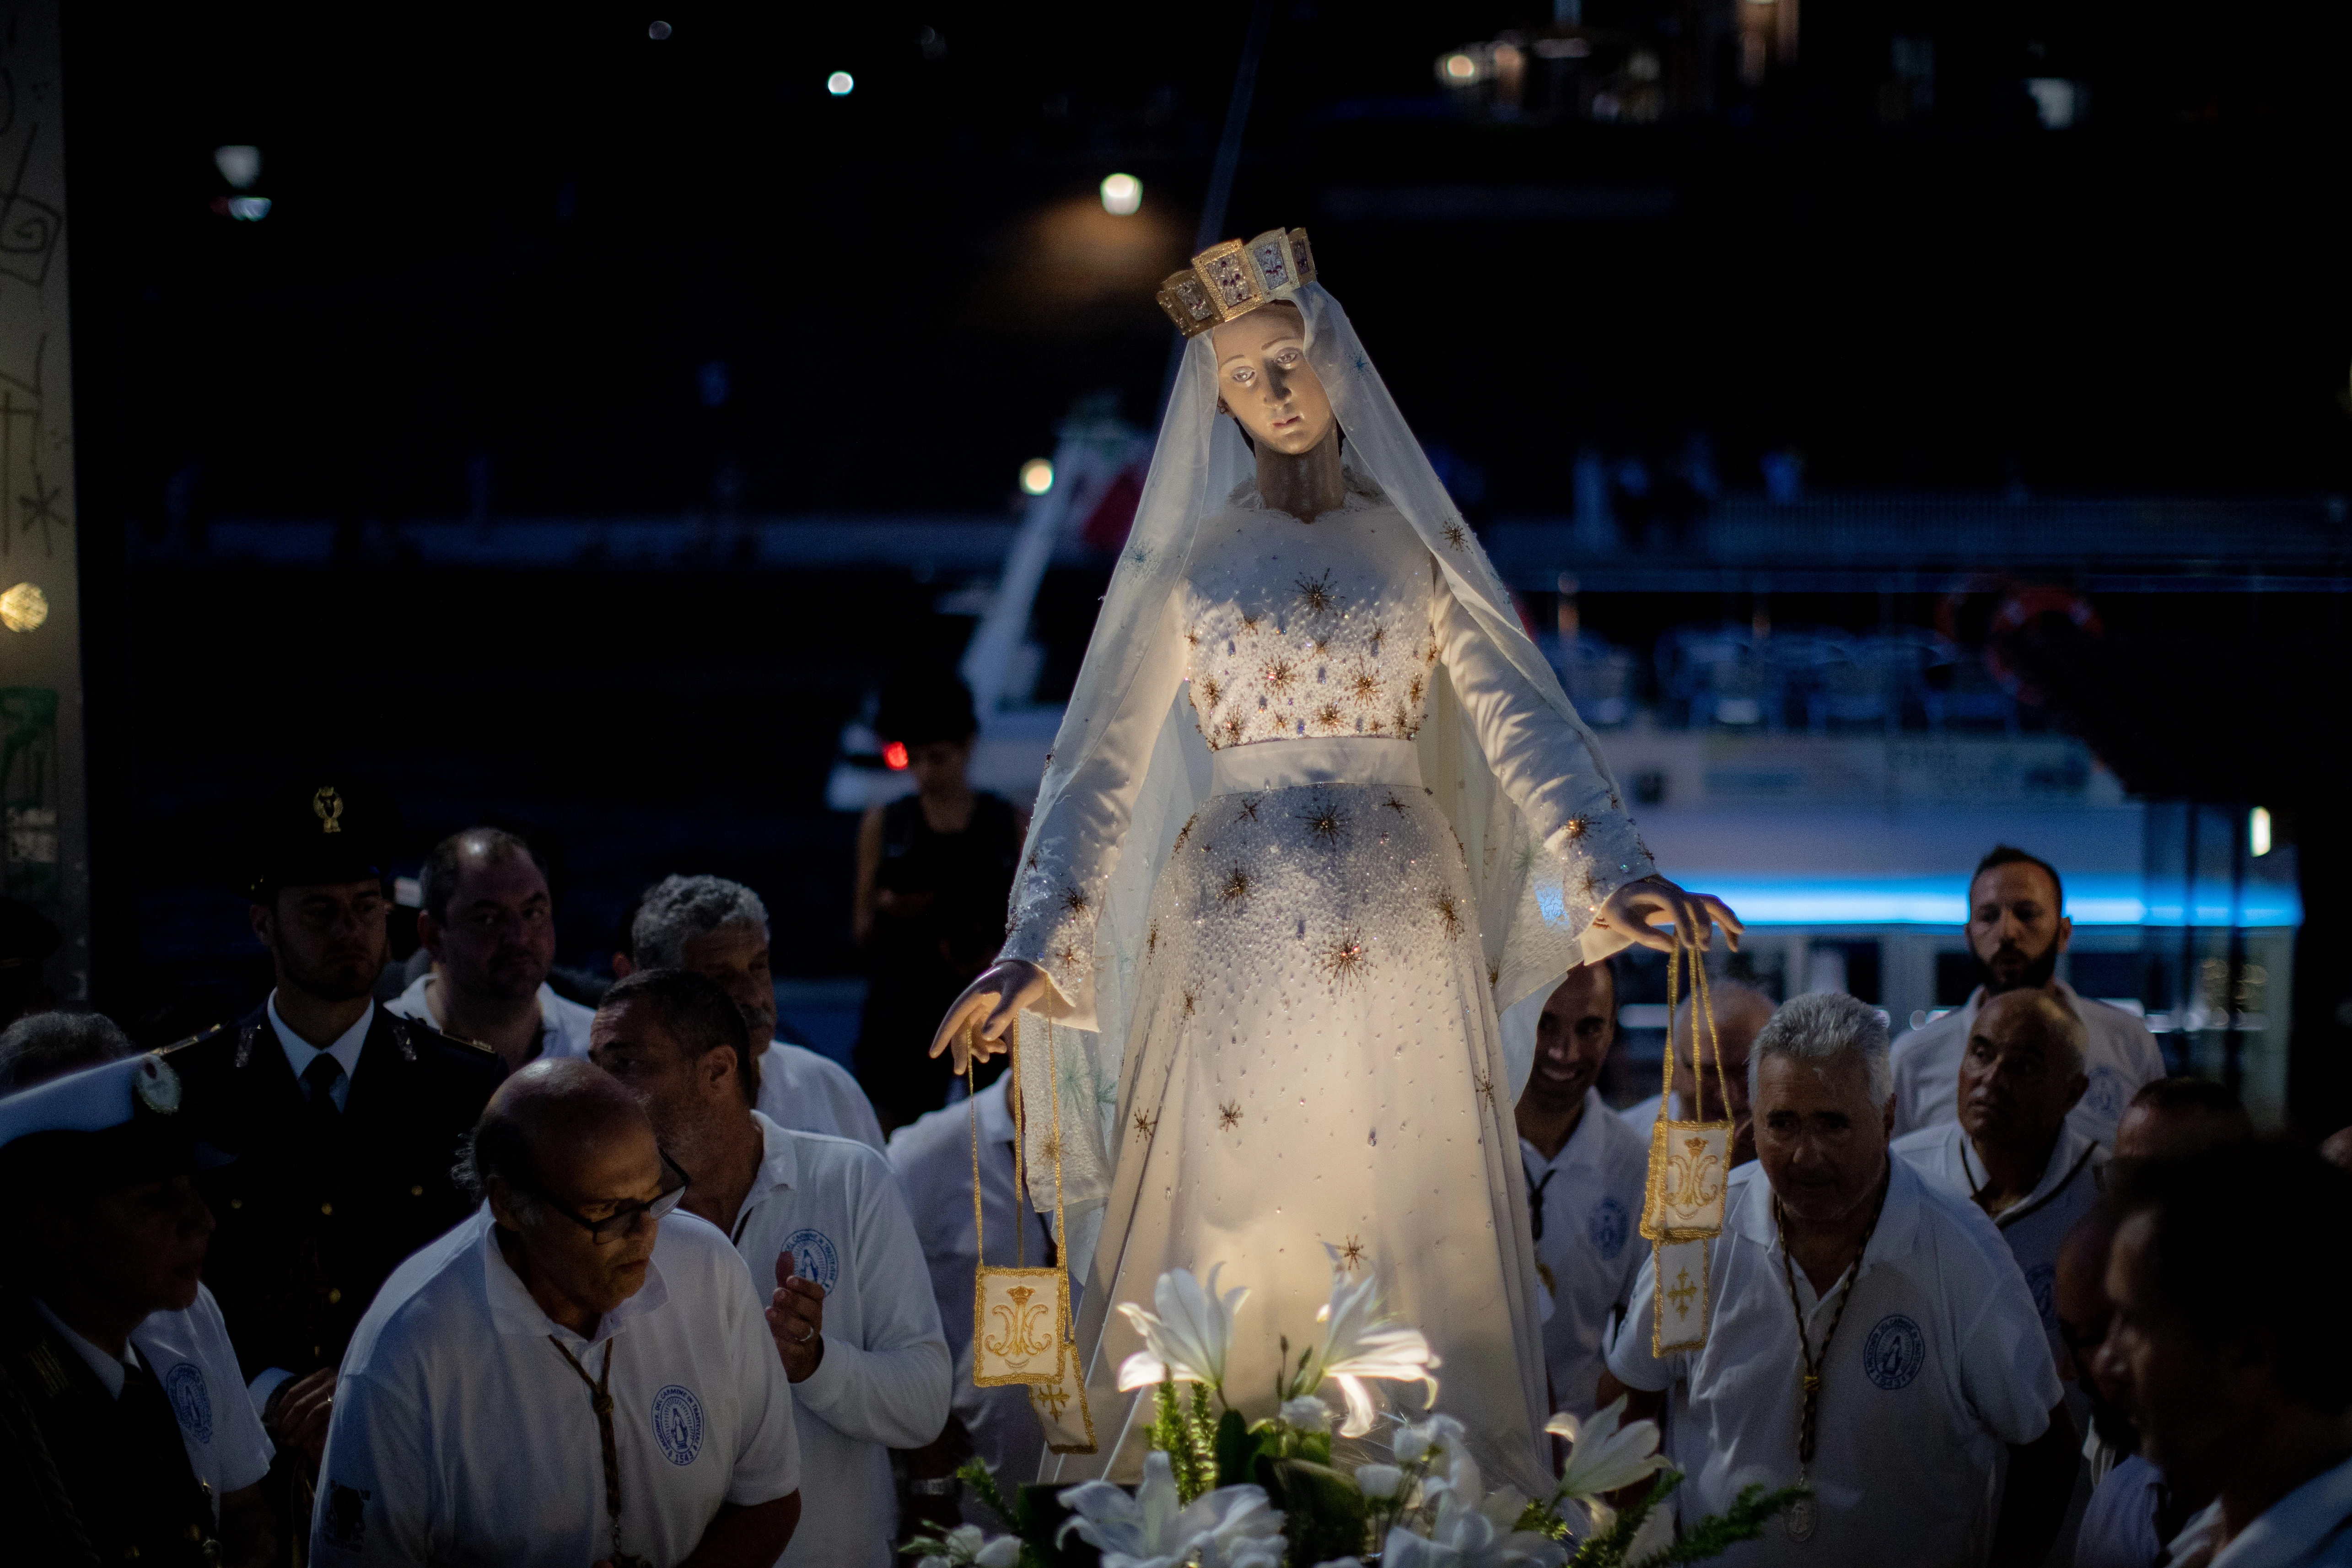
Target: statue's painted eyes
column 1245, row 374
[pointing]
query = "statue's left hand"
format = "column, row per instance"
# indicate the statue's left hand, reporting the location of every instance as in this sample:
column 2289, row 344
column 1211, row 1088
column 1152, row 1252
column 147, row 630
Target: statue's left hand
column 1640, row 910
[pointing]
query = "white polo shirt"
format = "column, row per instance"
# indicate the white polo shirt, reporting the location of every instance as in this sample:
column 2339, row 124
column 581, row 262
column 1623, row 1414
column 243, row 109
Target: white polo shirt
column 833, row 1204
column 2035, row 1227
column 461, row 1435
column 562, row 1022
column 2118, row 1528
column 932, row 1155
column 2311, row 1527
column 805, row 1092
column 1936, row 1363
column 189, row 1356
column 2118, row 1053
column 1589, row 1246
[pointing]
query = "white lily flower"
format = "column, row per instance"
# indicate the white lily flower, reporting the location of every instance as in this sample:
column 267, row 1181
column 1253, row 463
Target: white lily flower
column 1379, row 1483
column 1308, row 1413
column 1606, row 1457
column 1472, row 1530
column 1416, row 1439
column 1232, row 1527
column 968, row 1546
column 1361, row 1340
column 1188, row 1339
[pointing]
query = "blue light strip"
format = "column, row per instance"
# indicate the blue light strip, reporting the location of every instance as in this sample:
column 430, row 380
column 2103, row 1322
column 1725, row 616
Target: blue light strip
column 2091, row 900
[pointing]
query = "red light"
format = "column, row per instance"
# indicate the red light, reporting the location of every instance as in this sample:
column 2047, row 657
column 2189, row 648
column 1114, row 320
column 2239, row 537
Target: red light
column 893, row 756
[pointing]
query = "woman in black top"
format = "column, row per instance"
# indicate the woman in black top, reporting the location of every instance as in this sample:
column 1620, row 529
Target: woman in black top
column 934, row 872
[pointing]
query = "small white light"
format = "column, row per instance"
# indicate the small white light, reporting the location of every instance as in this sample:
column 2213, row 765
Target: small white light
column 249, row 209
column 841, row 84
column 1461, row 68
column 2257, row 831
column 24, row 607
column 239, row 166
column 1122, row 194
column 658, row 31
column 1036, row 476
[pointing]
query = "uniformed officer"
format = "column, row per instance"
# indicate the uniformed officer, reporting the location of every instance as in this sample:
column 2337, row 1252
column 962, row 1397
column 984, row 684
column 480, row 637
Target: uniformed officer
column 346, row 1120
column 105, row 1234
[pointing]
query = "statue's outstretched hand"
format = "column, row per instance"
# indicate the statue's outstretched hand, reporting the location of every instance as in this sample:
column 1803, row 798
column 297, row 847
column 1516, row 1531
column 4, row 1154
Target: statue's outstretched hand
column 1002, row 990
column 1642, row 910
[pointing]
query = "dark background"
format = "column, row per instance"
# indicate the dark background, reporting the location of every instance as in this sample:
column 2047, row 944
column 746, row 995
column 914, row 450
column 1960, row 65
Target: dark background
column 530, row 263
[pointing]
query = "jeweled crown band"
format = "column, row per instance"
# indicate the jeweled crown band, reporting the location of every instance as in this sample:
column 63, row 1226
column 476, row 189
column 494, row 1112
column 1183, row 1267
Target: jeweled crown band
column 1235, row 277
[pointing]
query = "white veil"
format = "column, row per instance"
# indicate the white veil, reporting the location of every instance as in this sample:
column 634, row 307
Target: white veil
column 1533, row 933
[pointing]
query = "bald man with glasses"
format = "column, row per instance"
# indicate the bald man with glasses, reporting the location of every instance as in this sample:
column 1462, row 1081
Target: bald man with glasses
column 578, row 1375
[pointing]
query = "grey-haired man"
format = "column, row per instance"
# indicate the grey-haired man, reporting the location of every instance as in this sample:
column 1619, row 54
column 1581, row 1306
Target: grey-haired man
column 1871, row 1335
column 719, row 929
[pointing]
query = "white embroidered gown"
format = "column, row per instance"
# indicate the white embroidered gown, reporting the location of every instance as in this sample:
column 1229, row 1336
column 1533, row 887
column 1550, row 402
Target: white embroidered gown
column 1314, row 1064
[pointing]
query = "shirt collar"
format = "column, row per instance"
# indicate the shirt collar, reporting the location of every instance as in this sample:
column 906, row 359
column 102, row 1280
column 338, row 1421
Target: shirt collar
column 1750, row 1210
column 1583, row 1145
column 2293, row 1525
column 514, row 1312
column 300, row 1053
column 2066, row 1160
column 780, row 1162
column 110, row 1370
column 419, row 997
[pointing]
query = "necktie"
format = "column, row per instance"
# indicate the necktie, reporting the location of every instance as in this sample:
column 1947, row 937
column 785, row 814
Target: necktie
column 1534, row 1204
column 323, row 1073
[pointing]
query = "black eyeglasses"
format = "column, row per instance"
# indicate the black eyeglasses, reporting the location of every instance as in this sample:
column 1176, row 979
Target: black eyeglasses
column 622, row 1220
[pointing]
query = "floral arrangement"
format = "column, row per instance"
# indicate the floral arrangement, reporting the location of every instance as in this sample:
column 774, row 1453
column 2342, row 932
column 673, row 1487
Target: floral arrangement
column 1221, row 1491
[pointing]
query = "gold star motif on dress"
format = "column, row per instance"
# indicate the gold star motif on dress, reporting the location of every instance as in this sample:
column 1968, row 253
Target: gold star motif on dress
column 1449, row 912
column 1210, row 692
column 1328, row 716
column 1188, row 1004
column 1151, row 940
column 1316, row 594
column 1325, row 822
column 1237, row 886
column 1228, row 1116
column 1364, row 686
column 1248, row 809
column 1282, row 674
column 1485, row 1083
column 1074, row 901
column 1145, row 1126
column 1455, row 535
column 1353, row 1254
column 1393, row 804
column 1344, row 961
column 1576, row 827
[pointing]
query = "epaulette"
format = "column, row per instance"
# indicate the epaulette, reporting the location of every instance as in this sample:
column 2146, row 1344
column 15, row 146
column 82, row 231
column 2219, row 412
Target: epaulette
column 400, row 1027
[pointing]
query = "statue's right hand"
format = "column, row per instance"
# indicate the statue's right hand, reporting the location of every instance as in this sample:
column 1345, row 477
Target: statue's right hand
column 1004, row 989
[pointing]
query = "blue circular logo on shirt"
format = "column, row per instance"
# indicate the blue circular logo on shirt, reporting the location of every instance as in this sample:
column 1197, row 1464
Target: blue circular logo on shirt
column 1608, row 1228
column 2043, row 1280
column 2108, row 1093
column 678, row 1424
column 1895, row 1352
column 192, row 1402
column 814, row 1257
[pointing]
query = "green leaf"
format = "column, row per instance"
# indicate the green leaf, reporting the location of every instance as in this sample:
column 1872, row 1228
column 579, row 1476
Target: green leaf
column 1323, row 1510
column 1236, row 1447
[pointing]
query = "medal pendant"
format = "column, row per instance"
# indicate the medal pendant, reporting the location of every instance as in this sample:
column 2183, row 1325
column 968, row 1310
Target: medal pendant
column 1801, row 1520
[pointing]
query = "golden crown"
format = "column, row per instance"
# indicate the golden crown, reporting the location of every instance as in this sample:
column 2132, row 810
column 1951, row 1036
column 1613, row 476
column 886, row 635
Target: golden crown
column 1235, row 277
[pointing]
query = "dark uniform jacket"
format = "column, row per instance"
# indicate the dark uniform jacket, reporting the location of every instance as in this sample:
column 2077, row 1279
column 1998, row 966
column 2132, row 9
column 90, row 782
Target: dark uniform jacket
column 312, row 1224
column 87, row 1477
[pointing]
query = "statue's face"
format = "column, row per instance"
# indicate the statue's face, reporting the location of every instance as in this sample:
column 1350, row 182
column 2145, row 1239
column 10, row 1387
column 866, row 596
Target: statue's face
column 1263, row 380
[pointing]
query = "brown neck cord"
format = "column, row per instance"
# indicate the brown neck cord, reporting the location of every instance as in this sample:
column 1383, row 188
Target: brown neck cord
column 1815, row 1364
column 600, row 1400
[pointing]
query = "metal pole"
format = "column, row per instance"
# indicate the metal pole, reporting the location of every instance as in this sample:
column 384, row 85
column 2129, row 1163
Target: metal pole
column 1221, row 172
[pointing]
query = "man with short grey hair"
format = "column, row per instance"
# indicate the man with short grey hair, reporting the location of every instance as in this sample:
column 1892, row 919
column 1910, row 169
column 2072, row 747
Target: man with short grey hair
column 1870, row 1334
column 719, row 929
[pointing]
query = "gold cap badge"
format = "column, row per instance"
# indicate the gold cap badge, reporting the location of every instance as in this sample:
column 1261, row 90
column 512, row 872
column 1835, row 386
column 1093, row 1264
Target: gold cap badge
column 1235, row 277
column 328, row 807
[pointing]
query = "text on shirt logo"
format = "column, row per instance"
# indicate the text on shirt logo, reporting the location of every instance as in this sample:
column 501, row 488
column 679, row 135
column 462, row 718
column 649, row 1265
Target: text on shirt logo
column 814, row 1257
column 1895, row 1351
column 678, row 1424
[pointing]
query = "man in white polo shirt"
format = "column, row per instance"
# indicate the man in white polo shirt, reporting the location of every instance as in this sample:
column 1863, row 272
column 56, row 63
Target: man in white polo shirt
column 2017, row 928
column 2012, row 1153
column 719, row 930
column 569, row 1377
column 1586, row 1171
column 1839, row 1264
column 854, row 1326
column 2228, row 1274
column 489, row 924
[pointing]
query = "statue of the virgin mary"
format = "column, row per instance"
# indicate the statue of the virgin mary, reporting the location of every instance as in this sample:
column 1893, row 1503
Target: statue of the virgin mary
column 1319, row 834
